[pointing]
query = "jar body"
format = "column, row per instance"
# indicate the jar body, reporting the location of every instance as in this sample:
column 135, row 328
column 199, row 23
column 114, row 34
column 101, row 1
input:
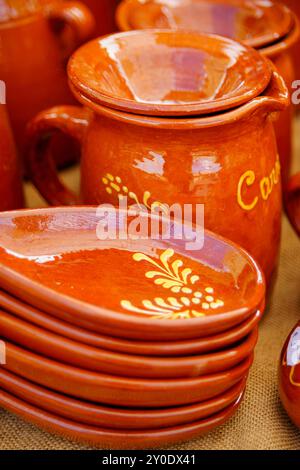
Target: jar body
column 289, row 376
column 33, row 69
column 233, row 169
column 11, row 193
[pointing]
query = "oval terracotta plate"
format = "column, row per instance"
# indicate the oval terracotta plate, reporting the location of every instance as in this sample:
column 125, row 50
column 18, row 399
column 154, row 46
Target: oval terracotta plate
column 111, row 438
column 98, row 360
column 140, row 348
column 254, row 23
column 202, row 74
column 120, row 391
column 115, row 418
column 134, row 288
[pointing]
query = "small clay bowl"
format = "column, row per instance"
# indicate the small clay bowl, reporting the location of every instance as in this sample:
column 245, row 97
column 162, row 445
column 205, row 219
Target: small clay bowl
column 99, row 360
column 131, row 65
column 150, row 289
column 289, row 375
column 253, row 23
column 111, row 438
column 120, row 391
column 169, row 349
column 115, row 418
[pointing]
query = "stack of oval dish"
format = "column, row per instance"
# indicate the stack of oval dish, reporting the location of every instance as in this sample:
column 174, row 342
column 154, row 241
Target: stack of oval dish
column 122, row 342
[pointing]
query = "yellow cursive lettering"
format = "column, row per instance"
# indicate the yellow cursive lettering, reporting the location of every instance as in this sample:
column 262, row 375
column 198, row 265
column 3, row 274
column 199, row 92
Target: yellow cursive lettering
column 248, row 178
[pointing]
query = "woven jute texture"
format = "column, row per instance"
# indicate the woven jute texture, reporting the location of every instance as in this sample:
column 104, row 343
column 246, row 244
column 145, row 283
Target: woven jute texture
column 260, row 423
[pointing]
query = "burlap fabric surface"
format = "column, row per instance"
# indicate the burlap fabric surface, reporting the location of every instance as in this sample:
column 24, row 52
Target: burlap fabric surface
column 260, row 423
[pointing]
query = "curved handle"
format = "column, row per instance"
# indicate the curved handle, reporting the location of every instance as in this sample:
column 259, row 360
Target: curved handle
column 71, row 120
column 275, row 98
column 79, row 20
column 292, row 202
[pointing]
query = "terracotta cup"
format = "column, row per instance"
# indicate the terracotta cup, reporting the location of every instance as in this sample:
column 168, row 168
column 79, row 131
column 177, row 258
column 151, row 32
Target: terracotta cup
column 225, row 160
column 289, row 375
column 268, row 26
column 34, row 50
column 293, row 202
column 11, row 192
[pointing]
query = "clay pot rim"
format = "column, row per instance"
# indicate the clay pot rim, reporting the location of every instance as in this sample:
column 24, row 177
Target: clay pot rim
column 284, row 44
column 125, row 8
column 198, row 108
column 196, row 122
column 186, row 345
column 185, row 329
column 101, row 436
column 77, row 406
column 133, row 366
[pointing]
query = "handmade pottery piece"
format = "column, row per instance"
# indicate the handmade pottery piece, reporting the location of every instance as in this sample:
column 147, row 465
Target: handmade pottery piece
column 180, row 161
column 11, row 192
column 270, row 27
column 33, row 56
column 104, row 13
column 292, row 201
column 120, row 391
column 114, row 418
column 111, row 438
column 137, row 347
column 44, row 252
column 289, row 375
column 70, row 352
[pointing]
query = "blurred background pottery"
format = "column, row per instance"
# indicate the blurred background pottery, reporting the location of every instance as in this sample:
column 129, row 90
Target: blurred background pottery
column 33, row 57
column 104, row 14
column 268, row 26
column 289, row 375
column 11, row 191
column 293, row 202
column 225, row 160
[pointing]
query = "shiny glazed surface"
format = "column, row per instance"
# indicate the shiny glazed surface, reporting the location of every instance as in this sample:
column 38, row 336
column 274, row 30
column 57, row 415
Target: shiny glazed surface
column 169, row 349
column 115, row 418
column 33, row 55
column 227, row 161
column 44, row 253
column 11, row 192
column 289, row 375
column 120, row 391
column 110, row 438
column 254, row 23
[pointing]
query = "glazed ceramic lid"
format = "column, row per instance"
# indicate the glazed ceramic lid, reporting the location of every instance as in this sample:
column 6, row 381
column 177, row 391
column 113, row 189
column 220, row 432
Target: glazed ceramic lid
column 168, row 73
column 11, row 10
column 255, row 23
column 55, row 259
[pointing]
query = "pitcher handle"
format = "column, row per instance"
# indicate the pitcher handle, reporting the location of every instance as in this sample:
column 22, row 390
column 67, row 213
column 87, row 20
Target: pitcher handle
column 292, row 202
column 79, row 19
column 71, row 120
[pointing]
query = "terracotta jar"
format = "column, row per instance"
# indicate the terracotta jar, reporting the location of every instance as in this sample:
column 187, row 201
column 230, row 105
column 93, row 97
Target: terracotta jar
column 104, row 13
column 269, row 27
column 33, row 55
column 11, row 193
column 289, row 375
column 292, row 201
column 211, row 141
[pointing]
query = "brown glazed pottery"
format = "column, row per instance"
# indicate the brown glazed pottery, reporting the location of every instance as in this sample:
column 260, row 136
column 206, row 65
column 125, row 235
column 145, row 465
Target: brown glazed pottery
column 289, row 375
column 98, row 360
column 270, row 27
column 166, row 160
column 127, row 285
column 115, row 418
column 112, row 438
column 137, row 347
column 292, row 201
column 120, row 391
column 34, row 53
column 11, row 192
